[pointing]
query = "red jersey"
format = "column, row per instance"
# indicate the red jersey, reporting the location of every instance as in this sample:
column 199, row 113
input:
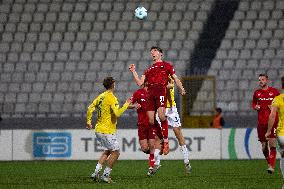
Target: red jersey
column 158, row 73
column 139, row 96
column 264, row 98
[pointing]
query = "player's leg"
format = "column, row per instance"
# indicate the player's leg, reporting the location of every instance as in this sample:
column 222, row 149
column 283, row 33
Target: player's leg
column 95, row 175
column 164, row 125
column 103, row 158
column 272, row 150
column 272, row 155
column 174, row 121
column 280, row 140
column 261, row 130
column 113, row 146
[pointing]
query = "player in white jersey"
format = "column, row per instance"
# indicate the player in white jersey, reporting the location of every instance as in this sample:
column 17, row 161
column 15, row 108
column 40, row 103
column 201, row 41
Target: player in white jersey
column 174, row 121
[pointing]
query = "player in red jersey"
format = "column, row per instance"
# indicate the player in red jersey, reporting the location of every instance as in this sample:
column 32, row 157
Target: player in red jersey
column 157, row 77
column 262, row 99
column 148, row 136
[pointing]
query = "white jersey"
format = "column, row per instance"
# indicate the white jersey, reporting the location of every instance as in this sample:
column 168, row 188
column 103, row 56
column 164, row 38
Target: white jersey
column 172, row 117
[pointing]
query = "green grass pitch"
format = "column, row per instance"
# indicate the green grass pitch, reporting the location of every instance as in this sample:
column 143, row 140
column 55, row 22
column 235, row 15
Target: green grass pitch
column 215, row 174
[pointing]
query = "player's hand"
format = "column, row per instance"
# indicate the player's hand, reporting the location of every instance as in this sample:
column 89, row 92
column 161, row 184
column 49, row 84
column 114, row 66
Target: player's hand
column 131, row 67
column 267, row 134
column 137, row 106
column 257, row 107
column 89, row 126
column 129, row 100
column 183, row 92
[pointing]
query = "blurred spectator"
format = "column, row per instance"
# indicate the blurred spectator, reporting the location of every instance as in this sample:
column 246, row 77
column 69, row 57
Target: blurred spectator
column 218, row 121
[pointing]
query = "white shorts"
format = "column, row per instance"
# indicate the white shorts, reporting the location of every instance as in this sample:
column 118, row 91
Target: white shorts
column 108, row 141
column 172, row 117
column 280, row 140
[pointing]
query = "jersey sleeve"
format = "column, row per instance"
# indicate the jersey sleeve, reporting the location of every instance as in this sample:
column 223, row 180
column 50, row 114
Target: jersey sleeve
column 90, row 110
column 171, row 69
column 134, row 97
column 275, row 102
column 115, row 106
column 254, row 101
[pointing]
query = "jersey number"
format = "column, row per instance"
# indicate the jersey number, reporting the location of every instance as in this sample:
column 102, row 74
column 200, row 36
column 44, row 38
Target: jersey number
column 162, row 100
column 99, row 107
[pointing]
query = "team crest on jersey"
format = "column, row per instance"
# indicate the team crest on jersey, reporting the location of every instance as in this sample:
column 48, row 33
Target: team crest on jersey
column 258, row 94
column 271, row 93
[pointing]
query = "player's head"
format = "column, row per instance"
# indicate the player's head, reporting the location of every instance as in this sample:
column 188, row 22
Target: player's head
column 109, row 83
column 282, row 82
column 218, row 110
column 262, row 80
column 156, row 53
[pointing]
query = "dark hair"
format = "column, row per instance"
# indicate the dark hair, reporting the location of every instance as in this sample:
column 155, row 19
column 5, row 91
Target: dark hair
column 108, row 81
column 263, row 75
column 157, row 48
column 219, row 110
column 282, row 82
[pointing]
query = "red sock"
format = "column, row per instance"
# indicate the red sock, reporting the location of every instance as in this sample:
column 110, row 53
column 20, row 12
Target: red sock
column 266, row 154
column 165, row 131
column 151, row 160
column 272, row 156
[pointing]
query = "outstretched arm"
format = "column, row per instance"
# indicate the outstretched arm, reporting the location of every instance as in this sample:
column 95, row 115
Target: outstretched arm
column 179, row 84
column 118, row 111
column 271, row 120
column 139, row 81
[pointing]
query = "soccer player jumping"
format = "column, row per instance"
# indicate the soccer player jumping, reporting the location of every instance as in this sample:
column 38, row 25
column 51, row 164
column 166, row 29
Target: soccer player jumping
column 147, row 135
column 278, row 106
column 262, row 99
column 157, row 77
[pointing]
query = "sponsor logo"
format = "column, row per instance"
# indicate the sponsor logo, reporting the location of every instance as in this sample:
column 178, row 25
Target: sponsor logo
column 52, row 145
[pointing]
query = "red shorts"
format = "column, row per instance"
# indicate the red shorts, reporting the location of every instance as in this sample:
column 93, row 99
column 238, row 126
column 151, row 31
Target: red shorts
column 156, row 97
column 261, row 130
column 149, row 132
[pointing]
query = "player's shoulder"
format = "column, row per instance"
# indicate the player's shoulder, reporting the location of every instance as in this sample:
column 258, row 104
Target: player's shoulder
column 274, row 89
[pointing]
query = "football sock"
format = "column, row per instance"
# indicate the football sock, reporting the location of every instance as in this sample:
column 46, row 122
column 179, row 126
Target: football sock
column 107, row 172
column 272, row 156
column 151, row 160
column 157, row 157
column 185, row 154
column 98, row 168
column 165, row 131
column 266, row 154
column 282, row 166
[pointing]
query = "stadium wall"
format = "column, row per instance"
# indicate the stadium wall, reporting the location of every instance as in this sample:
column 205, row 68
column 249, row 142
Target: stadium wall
column 82, row 145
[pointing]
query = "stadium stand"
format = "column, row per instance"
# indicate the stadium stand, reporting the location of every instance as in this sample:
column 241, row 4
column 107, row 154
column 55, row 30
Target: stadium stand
column 55, row 53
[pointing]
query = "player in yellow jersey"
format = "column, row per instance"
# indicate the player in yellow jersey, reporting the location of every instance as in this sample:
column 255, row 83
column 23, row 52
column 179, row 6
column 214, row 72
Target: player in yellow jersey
column 174, row 121
column 108, row 111
column 277, row 106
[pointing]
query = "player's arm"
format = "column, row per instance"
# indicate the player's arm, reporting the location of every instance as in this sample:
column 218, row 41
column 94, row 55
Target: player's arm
column 139, row 81
column 90, row 111
column 171, row 84
column 271, row 120
column 179, row 84
column 254, row 103
column 118, row 111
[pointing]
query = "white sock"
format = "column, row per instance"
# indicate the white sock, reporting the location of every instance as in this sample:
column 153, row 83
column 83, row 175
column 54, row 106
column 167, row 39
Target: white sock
column 98, row 168
column 185, row 153
column 107, row 171
column 157, row 157
column 282, row 166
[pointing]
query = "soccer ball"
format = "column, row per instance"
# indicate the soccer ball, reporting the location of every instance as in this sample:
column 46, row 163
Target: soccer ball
column 140, row 13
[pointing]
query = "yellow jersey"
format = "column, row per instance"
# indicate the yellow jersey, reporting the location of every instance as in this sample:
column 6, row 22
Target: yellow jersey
column 279, row 103
column 107, row 107
column 171, row 95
